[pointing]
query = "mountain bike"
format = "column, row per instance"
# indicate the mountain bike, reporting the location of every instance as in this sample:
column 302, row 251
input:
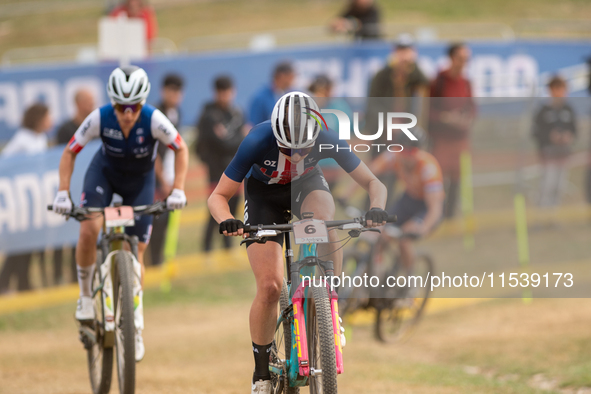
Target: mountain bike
column 398, row 309
column 116, row 277
column 307, row 347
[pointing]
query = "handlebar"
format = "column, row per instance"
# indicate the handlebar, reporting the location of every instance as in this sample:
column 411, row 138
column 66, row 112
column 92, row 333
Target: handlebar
column 330, row 224
column 80, row 214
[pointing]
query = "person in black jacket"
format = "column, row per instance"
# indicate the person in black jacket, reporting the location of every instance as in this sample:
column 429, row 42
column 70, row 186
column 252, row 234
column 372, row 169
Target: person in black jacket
column 221, row 130
column 84, row 100
column 554, row 130
column 171, row 97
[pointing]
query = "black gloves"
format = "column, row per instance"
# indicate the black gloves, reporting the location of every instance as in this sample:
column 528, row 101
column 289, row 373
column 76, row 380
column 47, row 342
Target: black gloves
column 231, row 226
column 376, row 215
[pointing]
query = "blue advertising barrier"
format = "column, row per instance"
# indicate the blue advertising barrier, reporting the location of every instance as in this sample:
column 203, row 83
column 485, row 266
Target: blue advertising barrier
column 498, row 69
column 27, row 185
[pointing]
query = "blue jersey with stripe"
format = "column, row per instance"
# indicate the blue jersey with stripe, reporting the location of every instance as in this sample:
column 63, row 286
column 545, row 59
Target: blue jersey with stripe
column 258, row 156
column 137, row 152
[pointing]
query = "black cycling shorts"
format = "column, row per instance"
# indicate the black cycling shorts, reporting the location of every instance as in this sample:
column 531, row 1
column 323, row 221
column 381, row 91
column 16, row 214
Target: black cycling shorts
column 408, row 208
column 101, row 181
column 266, row 204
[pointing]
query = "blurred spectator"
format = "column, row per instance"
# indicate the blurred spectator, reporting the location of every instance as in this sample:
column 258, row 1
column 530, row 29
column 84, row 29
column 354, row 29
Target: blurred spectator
column 392, row 89
column 84, row 106
column 399, row 81
column 171, row 98
column 362, row 18
column 401, row 77
column 451, row 116
column 321, row 90
column 29, row 140
column 554, row 130
column 141, row 10
column 221, row 130
column 264, row 100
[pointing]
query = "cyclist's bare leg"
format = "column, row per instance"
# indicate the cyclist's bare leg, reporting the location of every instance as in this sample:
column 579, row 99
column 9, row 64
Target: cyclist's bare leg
column 86, row 247
column 86, row 255
column 266, row 261
column 141, row 249
column 407, row 254
column 322, row 204
column 407, row 250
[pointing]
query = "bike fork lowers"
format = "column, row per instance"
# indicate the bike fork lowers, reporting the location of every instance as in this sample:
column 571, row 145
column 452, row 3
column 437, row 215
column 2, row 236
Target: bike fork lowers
column 301, row 339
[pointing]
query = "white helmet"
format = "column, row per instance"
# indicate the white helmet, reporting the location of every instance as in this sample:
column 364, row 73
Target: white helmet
column 295, row 120
column 128, row 85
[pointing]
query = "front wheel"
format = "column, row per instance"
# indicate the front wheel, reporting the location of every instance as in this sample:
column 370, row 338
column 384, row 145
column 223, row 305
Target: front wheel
column 397, row 317
column 124, row 322
column 98, row 355
column 281, row 351
column 321, row 343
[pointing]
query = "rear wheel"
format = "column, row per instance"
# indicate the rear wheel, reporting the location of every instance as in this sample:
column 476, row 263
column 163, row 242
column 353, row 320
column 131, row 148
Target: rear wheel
column 124, row 322
column 355, row 264
column 99, row 357
column 321, row 343
column 397, row 316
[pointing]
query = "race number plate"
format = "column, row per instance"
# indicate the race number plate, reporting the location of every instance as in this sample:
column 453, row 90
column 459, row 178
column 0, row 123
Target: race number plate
column 310, row 231
column 119, row 216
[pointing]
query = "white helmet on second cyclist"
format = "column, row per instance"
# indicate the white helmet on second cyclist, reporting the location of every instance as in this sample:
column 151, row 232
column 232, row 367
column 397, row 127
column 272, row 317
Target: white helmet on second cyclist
column 128, row 85
column 293, row 121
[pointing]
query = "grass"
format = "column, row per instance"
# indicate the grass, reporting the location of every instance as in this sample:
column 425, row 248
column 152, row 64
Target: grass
column 179, row 20
column 497, row 346
column 208, row 289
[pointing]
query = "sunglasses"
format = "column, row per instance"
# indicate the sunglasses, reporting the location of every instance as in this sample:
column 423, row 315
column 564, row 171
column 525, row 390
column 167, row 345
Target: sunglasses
column 124, row 107
column 290, row 152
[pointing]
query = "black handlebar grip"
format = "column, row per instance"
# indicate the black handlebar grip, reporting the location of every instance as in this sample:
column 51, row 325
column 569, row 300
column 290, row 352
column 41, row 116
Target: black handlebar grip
column 244, row 229
column 392, row 219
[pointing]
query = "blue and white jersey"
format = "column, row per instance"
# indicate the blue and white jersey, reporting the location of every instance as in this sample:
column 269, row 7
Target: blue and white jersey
column 137, row 152
column 258, row 156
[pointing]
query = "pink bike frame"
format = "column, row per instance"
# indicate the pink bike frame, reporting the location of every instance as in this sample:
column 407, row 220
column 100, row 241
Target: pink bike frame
column 300, row 329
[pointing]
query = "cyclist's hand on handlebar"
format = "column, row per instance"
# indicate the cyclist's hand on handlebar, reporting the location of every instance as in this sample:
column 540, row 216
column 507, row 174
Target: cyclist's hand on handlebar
column 232, row 227
column 62, row 203
column 376, row 217
column 176, row 200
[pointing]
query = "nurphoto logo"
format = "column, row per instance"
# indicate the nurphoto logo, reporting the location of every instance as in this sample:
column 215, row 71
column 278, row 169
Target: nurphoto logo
column 394, row 121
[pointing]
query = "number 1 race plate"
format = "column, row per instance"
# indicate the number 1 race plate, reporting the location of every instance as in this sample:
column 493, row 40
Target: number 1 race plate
column 119, row 216
column 310, row 231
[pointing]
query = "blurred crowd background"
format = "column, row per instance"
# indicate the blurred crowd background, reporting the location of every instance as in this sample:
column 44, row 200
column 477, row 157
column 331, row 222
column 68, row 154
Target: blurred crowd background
column 501, row 88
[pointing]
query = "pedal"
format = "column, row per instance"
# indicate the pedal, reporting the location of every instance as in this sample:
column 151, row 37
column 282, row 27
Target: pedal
column 85, row 341
column 86, row 335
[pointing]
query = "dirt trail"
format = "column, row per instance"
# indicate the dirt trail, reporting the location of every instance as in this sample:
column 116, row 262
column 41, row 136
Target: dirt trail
column 194, row 348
